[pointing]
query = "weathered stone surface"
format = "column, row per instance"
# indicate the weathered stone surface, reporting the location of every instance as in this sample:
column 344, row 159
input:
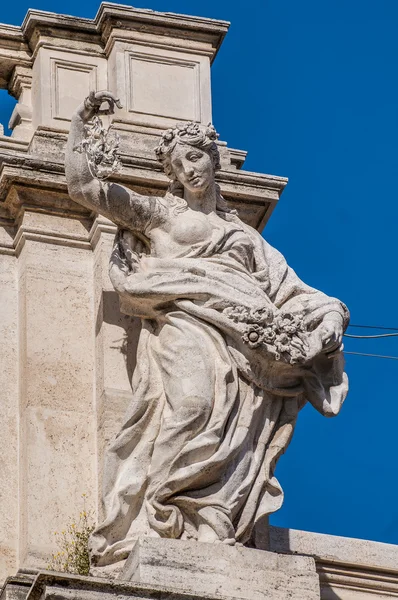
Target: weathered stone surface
column 9, row 342
column 333, row 548
column 18, row 586
column 221, row 570
column 47, row 585
column 349, row 569
column 176, row 570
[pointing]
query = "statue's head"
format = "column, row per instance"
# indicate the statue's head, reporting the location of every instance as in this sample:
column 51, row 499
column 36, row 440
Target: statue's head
column 189, row 155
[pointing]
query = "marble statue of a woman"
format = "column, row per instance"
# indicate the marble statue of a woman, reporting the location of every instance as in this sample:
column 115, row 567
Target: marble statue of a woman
column 233, row 344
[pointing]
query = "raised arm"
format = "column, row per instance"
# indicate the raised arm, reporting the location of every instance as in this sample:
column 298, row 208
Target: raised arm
column 119, row 204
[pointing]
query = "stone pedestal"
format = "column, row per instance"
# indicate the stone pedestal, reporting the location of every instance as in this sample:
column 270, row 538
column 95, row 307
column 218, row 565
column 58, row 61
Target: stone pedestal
column 163, row 569
column 218, row 570
column 348, row 569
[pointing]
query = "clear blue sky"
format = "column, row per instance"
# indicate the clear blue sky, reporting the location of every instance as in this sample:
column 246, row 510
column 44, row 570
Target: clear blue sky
column 310, row 89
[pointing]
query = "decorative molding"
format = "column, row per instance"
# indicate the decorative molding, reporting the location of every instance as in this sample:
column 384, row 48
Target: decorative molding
column 7, row 143
column 26, row 234
column 20, row 231
column 30, row 226
column 21, row 78
column 14, row 51
column 100, row 226
column 164, row 42
column 369, row 580
column 348, row 568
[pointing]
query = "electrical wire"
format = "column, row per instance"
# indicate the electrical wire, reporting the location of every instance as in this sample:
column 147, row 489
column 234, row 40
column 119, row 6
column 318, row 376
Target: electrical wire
column 370, row 337
column 372, row 355
column 374, row 327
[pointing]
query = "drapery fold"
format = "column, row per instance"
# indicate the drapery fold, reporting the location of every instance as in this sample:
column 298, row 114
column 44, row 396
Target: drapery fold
column 211, row 414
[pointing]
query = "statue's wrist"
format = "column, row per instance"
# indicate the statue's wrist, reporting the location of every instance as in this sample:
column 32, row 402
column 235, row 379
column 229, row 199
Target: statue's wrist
column 81, row 114
column 91, row 105
column 86, row 110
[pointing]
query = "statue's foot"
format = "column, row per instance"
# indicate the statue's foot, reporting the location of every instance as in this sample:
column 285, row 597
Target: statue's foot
column 229, row 542
column 207, row 534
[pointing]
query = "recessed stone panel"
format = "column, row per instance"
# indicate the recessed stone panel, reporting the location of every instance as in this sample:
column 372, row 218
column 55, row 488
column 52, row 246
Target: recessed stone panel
column 164, row 86
column 61, row 80
column 71, row 81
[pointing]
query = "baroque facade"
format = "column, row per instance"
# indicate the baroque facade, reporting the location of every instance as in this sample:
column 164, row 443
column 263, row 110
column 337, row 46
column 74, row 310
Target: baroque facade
column 66, row 347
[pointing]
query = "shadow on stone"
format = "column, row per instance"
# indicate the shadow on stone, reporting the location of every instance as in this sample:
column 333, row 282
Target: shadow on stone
column 109, row 312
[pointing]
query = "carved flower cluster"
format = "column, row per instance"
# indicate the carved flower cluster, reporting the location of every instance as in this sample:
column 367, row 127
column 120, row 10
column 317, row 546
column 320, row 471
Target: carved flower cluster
column 100, row 149
column 188, row 133
column 280, row 331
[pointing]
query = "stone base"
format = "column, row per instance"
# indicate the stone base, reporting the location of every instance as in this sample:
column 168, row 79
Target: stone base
column 221, row 571
column 163, row 569
column 349, row 569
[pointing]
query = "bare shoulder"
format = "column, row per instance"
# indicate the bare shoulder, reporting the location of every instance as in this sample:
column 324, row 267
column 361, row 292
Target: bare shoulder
column 135, row 211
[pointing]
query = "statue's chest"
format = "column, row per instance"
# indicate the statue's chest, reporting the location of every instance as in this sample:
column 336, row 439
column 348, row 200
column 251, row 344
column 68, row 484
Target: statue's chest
column 191, row 228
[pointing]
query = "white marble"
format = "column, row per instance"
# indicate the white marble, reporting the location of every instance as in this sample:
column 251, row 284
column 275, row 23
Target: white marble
column 232, row 345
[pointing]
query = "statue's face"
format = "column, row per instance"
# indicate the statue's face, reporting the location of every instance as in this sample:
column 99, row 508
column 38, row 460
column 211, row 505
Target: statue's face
column 193, row 167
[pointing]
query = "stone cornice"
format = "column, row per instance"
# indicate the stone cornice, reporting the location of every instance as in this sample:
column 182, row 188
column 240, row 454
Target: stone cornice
column 13, row 51
column 11, row 37
column 78, row 230
column 36, row 171
column 47, row 28
column 112, row 17
column 21, row 76
column 42, row 24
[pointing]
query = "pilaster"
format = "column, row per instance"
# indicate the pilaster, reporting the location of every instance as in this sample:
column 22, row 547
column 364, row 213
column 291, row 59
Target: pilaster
column 56, row 425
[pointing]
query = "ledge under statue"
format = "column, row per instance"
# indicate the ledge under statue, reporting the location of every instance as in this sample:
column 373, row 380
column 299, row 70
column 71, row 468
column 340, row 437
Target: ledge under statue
column 233, row 344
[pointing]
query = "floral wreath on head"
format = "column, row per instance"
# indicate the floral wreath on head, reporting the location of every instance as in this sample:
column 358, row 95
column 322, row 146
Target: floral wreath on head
column 191, row 134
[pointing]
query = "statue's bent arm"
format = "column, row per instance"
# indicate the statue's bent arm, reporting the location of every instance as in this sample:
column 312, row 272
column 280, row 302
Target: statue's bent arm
column 125, row 208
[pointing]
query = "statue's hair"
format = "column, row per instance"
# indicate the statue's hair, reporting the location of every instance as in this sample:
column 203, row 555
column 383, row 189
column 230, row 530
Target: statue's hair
column 191, row 134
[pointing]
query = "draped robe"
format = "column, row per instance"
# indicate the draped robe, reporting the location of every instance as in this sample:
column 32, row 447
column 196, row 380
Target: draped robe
column 210, row 414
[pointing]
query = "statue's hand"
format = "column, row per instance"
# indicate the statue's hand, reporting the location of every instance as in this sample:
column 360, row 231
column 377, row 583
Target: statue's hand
column 92, row 105
column 331, row 334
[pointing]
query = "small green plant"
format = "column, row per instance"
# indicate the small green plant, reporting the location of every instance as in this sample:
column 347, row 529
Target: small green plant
column 73, row 556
